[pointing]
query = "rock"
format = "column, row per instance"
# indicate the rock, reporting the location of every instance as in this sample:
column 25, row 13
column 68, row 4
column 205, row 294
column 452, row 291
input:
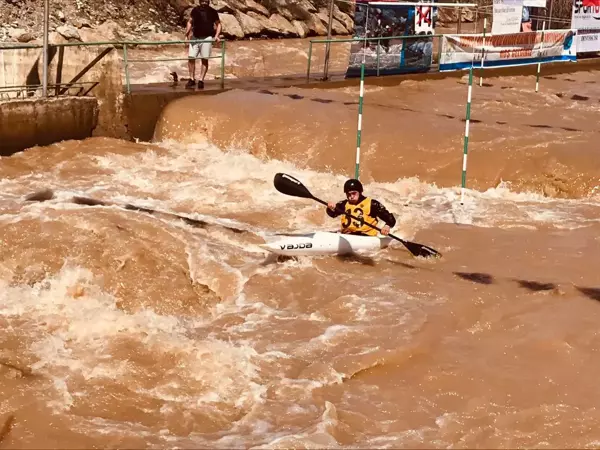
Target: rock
column 249, row 25
column 253, row 6
column 267, row 27
column 291, row 9
column 301, row 28
column 287, row 15
column 25, row 37
column 79, row 22
column 344, row 18
column 107, row 31
column 180, row 6
column 347, row 7
column 230, row 26
column 93, row 20
column 284, row 25
column 19, row 34
column 69, row 32
column 55, row 38
column 236, row 5
column 222, row 7
column 338, row 27
column 315, row 25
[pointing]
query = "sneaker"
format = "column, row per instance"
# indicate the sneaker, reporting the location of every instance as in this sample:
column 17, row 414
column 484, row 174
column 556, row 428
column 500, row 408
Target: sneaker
column 191, row 84
column 200, row 84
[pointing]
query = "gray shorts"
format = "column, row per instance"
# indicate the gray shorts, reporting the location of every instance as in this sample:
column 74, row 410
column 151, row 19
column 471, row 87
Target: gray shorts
column 201, row 48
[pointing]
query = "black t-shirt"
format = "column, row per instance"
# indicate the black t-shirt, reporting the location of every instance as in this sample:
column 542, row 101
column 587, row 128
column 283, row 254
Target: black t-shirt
column 204, row 19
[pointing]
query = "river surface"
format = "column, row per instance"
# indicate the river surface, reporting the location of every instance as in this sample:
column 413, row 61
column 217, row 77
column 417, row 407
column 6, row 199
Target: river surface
column 164, row 324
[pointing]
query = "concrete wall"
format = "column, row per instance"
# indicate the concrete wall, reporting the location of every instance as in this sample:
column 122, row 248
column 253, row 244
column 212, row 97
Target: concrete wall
column 26, row 123
column 23, row 67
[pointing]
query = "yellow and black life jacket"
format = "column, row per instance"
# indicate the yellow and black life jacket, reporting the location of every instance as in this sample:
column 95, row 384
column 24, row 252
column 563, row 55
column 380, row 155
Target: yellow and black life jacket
column 362, row 211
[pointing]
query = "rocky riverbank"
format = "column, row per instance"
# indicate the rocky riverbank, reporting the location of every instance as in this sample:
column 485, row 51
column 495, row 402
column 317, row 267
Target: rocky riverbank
column 98, row 20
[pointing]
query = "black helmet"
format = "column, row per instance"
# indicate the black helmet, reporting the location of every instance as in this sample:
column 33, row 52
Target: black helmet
column 353, row 185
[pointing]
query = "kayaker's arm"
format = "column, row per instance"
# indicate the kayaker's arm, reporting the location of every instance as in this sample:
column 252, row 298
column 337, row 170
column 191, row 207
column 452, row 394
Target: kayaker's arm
column 339, row 209
column 379, row 211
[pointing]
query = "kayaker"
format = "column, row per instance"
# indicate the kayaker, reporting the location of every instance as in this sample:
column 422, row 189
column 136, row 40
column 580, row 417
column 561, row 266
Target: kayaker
column 365, row 208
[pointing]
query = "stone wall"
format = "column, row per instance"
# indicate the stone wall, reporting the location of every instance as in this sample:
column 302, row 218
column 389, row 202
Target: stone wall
column 26, row 123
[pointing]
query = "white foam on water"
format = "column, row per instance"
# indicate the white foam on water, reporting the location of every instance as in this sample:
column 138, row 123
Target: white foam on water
column 73, row 324
column 319, row 435
column 236, row 181
column 210, row 182
column 72, row 333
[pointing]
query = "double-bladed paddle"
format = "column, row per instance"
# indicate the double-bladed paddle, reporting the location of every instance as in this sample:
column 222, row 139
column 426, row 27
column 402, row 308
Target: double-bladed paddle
column 286, row 184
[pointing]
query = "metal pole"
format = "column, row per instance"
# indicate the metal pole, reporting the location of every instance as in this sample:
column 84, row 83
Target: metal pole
column 223, row 64
column 126, row 60
column 360, row 97
column 309, row 60
column 466, row 140
column 326, row 68
column 550, row 18
column 539, row 66
column 45, row 57
column 482, row 52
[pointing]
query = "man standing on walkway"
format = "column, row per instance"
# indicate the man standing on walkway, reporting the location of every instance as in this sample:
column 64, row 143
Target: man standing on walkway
column 205, row 26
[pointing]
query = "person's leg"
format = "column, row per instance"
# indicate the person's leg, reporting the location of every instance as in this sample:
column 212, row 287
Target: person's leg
column 193, row 53
column 205, row 50
column 204, row 69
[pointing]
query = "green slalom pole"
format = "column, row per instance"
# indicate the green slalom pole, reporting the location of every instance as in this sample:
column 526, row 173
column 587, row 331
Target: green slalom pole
column 466, row 145
column 360, row 99
column 360, row 110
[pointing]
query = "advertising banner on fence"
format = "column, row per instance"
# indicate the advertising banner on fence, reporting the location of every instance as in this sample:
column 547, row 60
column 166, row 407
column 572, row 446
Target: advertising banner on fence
column 459, row 51
column 507, row 16
column 535, row 3
column 424, row 19
column 391, row 56
column 585, row 19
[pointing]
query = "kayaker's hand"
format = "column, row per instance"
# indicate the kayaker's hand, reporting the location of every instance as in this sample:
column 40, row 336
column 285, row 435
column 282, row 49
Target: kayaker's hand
column 331, row 206
column 385, row 230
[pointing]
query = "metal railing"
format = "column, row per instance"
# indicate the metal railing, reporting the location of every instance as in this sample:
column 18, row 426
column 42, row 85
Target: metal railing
column 378, row 40
column 127, row 61
column 126, row 46
column 25, row 91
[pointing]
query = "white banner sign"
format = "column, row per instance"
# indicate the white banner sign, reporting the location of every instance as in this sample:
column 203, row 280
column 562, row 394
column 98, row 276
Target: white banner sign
column 507, row 16
column 588, row 41
column 461, row 51
column 535, row 3
column 585, row 15
column 424, row 19
column 585, row 18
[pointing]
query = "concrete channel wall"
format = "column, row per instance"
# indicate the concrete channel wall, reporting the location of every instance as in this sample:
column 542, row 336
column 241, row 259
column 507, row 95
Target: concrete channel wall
column 26, row 123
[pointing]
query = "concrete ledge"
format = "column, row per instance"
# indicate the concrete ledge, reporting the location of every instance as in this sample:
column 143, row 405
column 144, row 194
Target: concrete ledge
column 26, row 123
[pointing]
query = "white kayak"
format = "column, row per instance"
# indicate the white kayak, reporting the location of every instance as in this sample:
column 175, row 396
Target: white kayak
column 324, row 243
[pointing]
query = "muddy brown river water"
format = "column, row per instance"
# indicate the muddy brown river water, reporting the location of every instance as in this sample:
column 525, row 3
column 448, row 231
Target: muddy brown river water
column 166, row 325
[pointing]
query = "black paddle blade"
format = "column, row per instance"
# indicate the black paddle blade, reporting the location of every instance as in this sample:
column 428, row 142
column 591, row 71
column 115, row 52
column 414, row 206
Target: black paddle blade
column 421, row 250
column 287, row 184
